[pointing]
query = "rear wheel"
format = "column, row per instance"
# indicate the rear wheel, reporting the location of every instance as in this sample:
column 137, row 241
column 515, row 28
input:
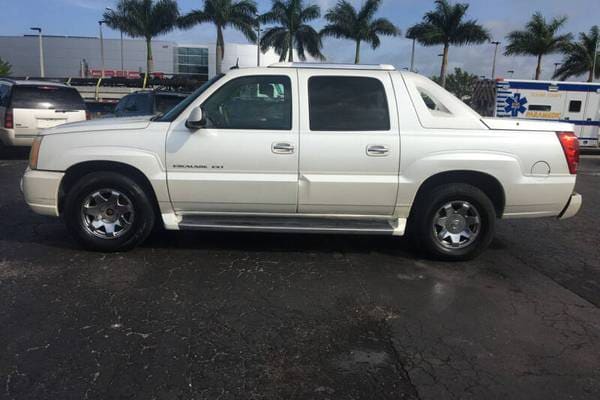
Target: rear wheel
column 456, row 222
column 108, row 212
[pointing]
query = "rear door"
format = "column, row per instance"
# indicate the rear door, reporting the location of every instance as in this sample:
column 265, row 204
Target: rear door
column 37, row 107
column 349, row 143
column 590, row 131
column 574, row 110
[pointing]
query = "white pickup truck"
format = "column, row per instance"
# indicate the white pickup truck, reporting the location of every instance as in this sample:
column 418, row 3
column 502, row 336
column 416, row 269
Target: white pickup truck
column 306, row 148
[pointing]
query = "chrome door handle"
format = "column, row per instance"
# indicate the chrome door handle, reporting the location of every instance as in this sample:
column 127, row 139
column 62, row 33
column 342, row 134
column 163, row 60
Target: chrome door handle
column 282, row 148
column 377, row 150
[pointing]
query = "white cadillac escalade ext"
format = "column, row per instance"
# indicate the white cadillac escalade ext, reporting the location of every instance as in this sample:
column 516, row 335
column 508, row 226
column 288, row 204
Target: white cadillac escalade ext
column 306, row 148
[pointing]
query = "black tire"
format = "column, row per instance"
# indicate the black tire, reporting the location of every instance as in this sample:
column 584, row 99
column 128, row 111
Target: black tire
column 142, row 221
column 425, row 234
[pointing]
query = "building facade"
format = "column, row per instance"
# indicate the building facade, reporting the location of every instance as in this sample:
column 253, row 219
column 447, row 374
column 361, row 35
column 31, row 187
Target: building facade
column 68, row 56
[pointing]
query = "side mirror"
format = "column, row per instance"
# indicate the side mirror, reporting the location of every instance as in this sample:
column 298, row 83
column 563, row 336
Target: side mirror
column 195, row 120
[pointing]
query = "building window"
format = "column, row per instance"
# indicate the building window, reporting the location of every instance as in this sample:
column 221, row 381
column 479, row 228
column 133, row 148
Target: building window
column 192, row 61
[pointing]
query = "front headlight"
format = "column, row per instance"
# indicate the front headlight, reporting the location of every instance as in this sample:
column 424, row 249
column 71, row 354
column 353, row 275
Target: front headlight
column 35, row 152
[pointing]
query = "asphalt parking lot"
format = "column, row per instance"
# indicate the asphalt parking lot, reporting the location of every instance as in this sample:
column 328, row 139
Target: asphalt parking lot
column 259, row 316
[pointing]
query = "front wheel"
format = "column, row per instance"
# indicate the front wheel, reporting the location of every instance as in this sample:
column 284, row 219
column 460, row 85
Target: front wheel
column 456, row 222
column 106, row 211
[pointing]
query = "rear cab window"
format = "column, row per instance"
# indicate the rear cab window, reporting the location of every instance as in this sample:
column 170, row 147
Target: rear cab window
column 48, row 97
column 347, row 103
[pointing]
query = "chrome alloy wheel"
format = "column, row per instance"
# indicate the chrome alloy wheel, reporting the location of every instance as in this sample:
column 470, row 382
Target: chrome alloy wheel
column 107, row 213
column 456, row 224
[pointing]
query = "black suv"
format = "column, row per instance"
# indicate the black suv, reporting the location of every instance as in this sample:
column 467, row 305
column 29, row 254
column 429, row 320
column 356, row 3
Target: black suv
column 147, row 103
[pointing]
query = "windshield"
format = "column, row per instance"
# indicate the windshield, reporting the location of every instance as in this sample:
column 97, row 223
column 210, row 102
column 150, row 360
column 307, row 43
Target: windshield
column 178, row 109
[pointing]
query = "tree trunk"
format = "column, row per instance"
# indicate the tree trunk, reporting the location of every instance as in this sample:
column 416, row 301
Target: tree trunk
column 291, row 48
column 357, row 56
column 591, row 76
column 444, row 65
column 538, row 70
column 220, row 51
column 149, row 59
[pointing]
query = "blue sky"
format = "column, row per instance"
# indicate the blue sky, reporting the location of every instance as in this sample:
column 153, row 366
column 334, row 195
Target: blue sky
column 79, row 18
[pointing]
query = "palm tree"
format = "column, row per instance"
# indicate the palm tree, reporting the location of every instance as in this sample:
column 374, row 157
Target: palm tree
column 5, row 68
column 143, row 18
column 292, row 32
column 579, row 57
column 538, row 39
column 446, row 26
column 224, row 13
column 347, row 23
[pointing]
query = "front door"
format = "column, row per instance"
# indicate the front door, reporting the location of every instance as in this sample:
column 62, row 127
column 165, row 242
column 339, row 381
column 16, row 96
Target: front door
column 350, row 143
column 245, row 159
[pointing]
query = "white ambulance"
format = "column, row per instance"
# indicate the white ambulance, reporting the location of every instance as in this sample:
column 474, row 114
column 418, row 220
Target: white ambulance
column 575, row 102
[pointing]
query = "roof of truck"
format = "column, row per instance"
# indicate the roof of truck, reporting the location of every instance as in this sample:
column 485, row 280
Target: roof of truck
column 33, row 82
column 369, row 67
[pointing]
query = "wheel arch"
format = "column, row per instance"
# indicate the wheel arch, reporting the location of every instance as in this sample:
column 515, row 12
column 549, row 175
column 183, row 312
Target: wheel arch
column 79, row 170
column 485, row 182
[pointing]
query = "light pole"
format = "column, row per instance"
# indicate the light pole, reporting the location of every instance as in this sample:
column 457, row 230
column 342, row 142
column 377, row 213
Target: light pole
column 39, row 31
column 109, row 11
column 494, row 62
column 122, row 58
column 258, row 30
column 101, row 47
column 412, row 55
column 595, row 59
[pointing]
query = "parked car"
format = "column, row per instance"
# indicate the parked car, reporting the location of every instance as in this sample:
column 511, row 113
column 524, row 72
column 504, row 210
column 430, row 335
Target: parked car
column 307, row 148
column 27, row 107
column 147, row 102
column 100, row 109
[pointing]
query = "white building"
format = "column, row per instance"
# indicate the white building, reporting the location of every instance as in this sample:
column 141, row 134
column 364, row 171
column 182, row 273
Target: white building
column 63, row 56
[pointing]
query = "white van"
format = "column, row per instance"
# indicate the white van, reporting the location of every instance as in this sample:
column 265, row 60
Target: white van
column 27, row 107
column 575, row 102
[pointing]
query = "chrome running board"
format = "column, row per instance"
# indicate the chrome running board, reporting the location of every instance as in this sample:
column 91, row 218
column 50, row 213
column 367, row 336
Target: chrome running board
column 290, row 224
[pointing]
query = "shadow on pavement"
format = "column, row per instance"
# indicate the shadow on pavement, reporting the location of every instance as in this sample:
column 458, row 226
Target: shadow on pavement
column 14, row 153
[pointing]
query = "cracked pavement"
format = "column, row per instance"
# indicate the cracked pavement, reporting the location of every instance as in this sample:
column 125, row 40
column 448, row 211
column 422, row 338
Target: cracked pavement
column 194, row 315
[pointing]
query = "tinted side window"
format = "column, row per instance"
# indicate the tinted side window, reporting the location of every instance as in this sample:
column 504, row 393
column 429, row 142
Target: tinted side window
column 540, row 107
column 251, row 102
column 347, row 104
column 575, row 106
column 165, row 103
column 4, row 90
column 47, row 98
column 122, row 105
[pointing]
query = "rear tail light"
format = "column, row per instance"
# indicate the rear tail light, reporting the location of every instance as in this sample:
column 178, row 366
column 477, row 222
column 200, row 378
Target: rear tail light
column 570, row 145
column 88, row 116
column 9, row 121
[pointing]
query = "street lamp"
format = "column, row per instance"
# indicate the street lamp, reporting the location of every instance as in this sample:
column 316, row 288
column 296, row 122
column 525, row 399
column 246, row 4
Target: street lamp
column 101, row 46
column 494, row 62
column 39, row 31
